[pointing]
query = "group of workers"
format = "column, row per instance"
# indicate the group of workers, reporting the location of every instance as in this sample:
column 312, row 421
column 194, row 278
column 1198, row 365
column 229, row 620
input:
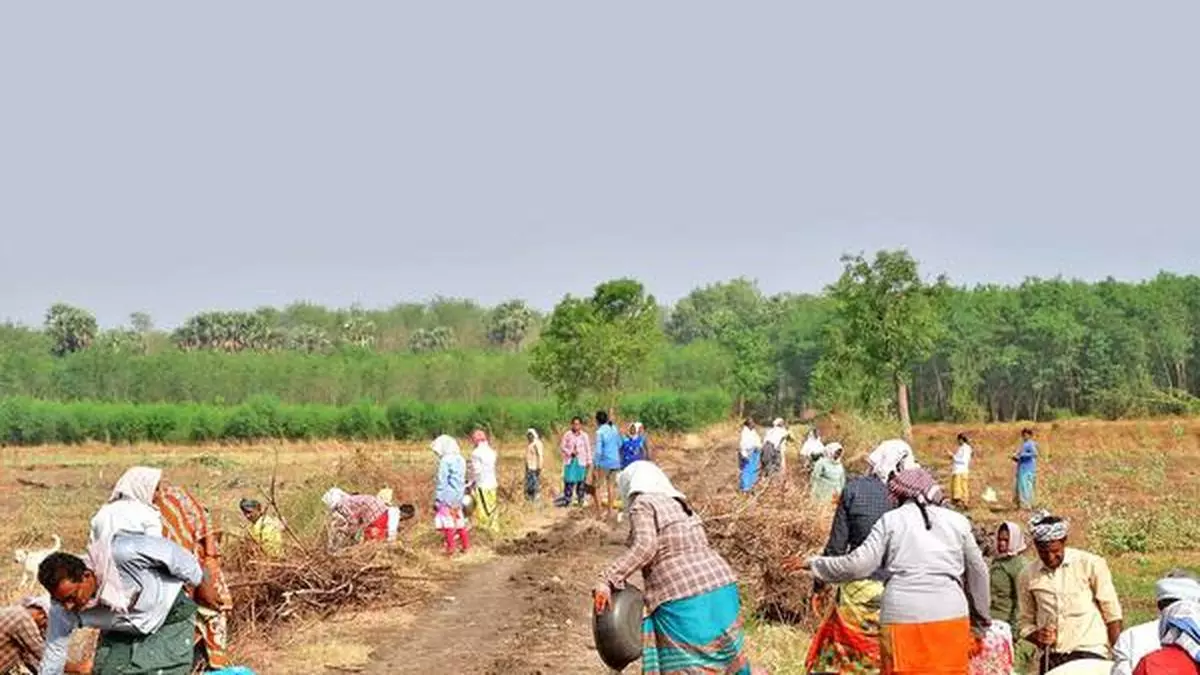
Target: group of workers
column 764, row 456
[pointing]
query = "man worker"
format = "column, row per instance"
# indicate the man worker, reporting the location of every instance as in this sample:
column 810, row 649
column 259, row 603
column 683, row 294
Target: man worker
column 607, row 462
column 1136, row 643
column 154, row 635
column 22, row 636
column 1069, row 606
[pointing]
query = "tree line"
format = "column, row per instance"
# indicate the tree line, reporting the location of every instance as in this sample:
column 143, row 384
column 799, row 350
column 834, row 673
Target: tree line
column 883, row 338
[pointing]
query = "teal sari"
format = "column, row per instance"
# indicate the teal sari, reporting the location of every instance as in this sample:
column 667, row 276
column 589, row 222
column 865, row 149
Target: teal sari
column 700, row 634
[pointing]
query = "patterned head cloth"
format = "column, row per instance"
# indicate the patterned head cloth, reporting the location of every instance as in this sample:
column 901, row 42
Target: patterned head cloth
column 916, row 485
column 1046, row 528
column 891, row 457
column 1180, row 626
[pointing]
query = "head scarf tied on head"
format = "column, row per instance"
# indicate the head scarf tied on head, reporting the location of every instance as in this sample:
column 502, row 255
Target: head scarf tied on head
column 1046, row 528
column 532, row 434
column 1179, row 587
column 332, row 497
column 1016, row 540
column 479, row 437
column 130, row 510
column 779, row 423
column 891, row 457
column 445, row 445
column 916, row 485
column 644, row 477
column 1180, row 626
column 833, row 451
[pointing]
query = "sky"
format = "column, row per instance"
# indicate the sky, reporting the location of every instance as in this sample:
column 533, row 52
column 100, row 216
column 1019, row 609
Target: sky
column 179, row 157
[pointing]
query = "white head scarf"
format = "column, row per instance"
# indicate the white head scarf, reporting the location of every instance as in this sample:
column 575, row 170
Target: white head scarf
column 533, row 435
column 332, row 497
column 833, row 450
column 1177, row 588
column 644, row 477
column 130, row 510
column 778, row 422
column 1180, row 626
column 445, row 445
column 891, row 457
column 1016, row 540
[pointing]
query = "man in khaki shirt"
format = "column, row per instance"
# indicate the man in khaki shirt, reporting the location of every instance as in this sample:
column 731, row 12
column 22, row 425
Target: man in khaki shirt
column 1069, row 606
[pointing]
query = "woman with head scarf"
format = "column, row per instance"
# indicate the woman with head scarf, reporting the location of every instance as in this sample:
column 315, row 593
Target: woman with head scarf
column 828, row 475
column 634, row 447
column 449, row 489
column 1005, row 570
column 937, row 583
column 352, row 517
column 773, row 455
column 535, row 455
column 749, row 456
column 693, row 621
column 1179, row 633
column 483, row 471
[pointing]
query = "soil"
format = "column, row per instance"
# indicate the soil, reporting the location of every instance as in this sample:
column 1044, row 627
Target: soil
column 526, row 612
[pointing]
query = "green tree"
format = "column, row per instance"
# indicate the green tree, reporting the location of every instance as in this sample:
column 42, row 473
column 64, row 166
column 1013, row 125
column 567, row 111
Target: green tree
column 70, row 328
column 596, row 344
column 437, row 339
column 887, row 319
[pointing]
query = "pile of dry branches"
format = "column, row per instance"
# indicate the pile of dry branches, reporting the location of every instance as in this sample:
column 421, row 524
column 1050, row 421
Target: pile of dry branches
column 757, row 533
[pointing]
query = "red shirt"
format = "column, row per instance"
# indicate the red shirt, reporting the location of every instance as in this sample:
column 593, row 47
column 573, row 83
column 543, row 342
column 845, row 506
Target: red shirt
column 1169, row 660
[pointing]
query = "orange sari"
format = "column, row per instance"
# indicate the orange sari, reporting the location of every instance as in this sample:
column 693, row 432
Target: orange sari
column 186, row 523
column 933, row 648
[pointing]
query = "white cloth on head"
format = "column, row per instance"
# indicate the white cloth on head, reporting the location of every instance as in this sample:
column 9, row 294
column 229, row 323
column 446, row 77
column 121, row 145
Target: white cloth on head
column 1180, row 626
column 41, row 602
column 332, row 497
column 483, row 464
column 445, row 445
column 812, row 447
column 645, row 477
column 776, row 436
column 1048, row 531
column 1016, row 540
column 533, row 434
column 1177, row 588
column 890, row 457
column 832, row 450
column 749, row 441
column 130, row 510
column 138, row 482
column 779, row 423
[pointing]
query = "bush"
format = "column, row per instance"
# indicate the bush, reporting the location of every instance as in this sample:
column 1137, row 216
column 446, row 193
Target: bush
column 25, row 421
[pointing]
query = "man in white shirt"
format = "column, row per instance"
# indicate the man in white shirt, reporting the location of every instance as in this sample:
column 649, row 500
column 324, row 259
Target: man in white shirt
column 1135, row 643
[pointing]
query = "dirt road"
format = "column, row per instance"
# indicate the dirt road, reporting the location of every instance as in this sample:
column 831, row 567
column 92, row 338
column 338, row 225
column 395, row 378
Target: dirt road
column 524, row 613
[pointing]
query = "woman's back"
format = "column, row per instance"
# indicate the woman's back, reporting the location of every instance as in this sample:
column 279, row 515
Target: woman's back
column 926, row 565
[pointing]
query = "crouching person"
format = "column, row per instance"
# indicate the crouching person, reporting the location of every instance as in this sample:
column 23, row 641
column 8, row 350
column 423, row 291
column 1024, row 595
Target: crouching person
column 133, row 590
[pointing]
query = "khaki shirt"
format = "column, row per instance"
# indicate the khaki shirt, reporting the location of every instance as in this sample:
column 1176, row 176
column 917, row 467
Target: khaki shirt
column 1078, row 599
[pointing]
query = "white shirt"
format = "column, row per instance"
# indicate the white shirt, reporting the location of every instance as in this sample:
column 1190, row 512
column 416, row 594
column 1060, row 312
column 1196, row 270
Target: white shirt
column 962, row 459
column 1133, row 646
column 749, row 442
column 813, row 448
column 483, row 462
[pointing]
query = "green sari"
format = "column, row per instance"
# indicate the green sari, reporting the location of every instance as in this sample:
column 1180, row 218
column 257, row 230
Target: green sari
column 166, row 651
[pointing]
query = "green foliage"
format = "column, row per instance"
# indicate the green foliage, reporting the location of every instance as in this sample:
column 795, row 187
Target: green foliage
column 71, row 329
column 510, row 323
column 599, row 344
column 26, row 421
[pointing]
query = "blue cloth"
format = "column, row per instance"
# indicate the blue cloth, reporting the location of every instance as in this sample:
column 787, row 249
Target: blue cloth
column 451, row 482
column 608, row 448
column 748, row 470
column 633, row 448
column 698, row 634
column 1026, row 480
column 1027, row 457
column 574, row 472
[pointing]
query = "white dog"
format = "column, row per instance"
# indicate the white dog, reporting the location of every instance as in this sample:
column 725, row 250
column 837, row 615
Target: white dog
column 31, row 559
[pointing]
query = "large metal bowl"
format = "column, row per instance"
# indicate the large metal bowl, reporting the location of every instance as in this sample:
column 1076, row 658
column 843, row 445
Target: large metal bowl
column 468, row 505
column 618, row 631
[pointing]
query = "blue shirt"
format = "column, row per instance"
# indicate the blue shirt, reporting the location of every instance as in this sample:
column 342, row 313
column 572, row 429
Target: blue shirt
column 633, row 448
column 608, row 447
column 451, row 481
column 1027, row 457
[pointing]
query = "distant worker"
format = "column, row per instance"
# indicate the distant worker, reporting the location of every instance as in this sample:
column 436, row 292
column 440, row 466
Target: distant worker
column 576, row 451
column 485, row 481
column 1069, row 606
column 1138, row 642
column 1026, row 459
column 813, row 447
column 450, row 486
column 354, row 517
column 828, row 475
column 960, row 477
column 606, row 463
column 1005, row 569
column 635, row 447
column 749, row 456
column 265, row 530
column 535, row 456
column 774, row 450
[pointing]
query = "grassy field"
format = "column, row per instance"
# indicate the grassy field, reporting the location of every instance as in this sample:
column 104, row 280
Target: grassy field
column 1125, row 485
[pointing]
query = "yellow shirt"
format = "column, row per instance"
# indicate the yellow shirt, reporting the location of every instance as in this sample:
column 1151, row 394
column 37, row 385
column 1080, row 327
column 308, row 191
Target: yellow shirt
column 268, row 532
column 1078, row 599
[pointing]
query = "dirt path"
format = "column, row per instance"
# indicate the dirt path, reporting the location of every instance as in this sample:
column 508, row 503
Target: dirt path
column 526, row 612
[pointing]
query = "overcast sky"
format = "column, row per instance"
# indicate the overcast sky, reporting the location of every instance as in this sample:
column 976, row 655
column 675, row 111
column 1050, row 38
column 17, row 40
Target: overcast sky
column 176, row 157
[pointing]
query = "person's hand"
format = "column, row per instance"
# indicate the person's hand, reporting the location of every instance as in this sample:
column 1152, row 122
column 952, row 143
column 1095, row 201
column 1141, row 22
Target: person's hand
column 795, row 563
column 1046, row 637
column 601, row 598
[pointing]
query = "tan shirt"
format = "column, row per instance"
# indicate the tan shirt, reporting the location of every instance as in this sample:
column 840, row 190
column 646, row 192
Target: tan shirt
column 1078, row 599
column 534, row 453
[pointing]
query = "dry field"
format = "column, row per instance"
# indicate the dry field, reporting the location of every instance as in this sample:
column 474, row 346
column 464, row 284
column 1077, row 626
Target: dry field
column 523, row 594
